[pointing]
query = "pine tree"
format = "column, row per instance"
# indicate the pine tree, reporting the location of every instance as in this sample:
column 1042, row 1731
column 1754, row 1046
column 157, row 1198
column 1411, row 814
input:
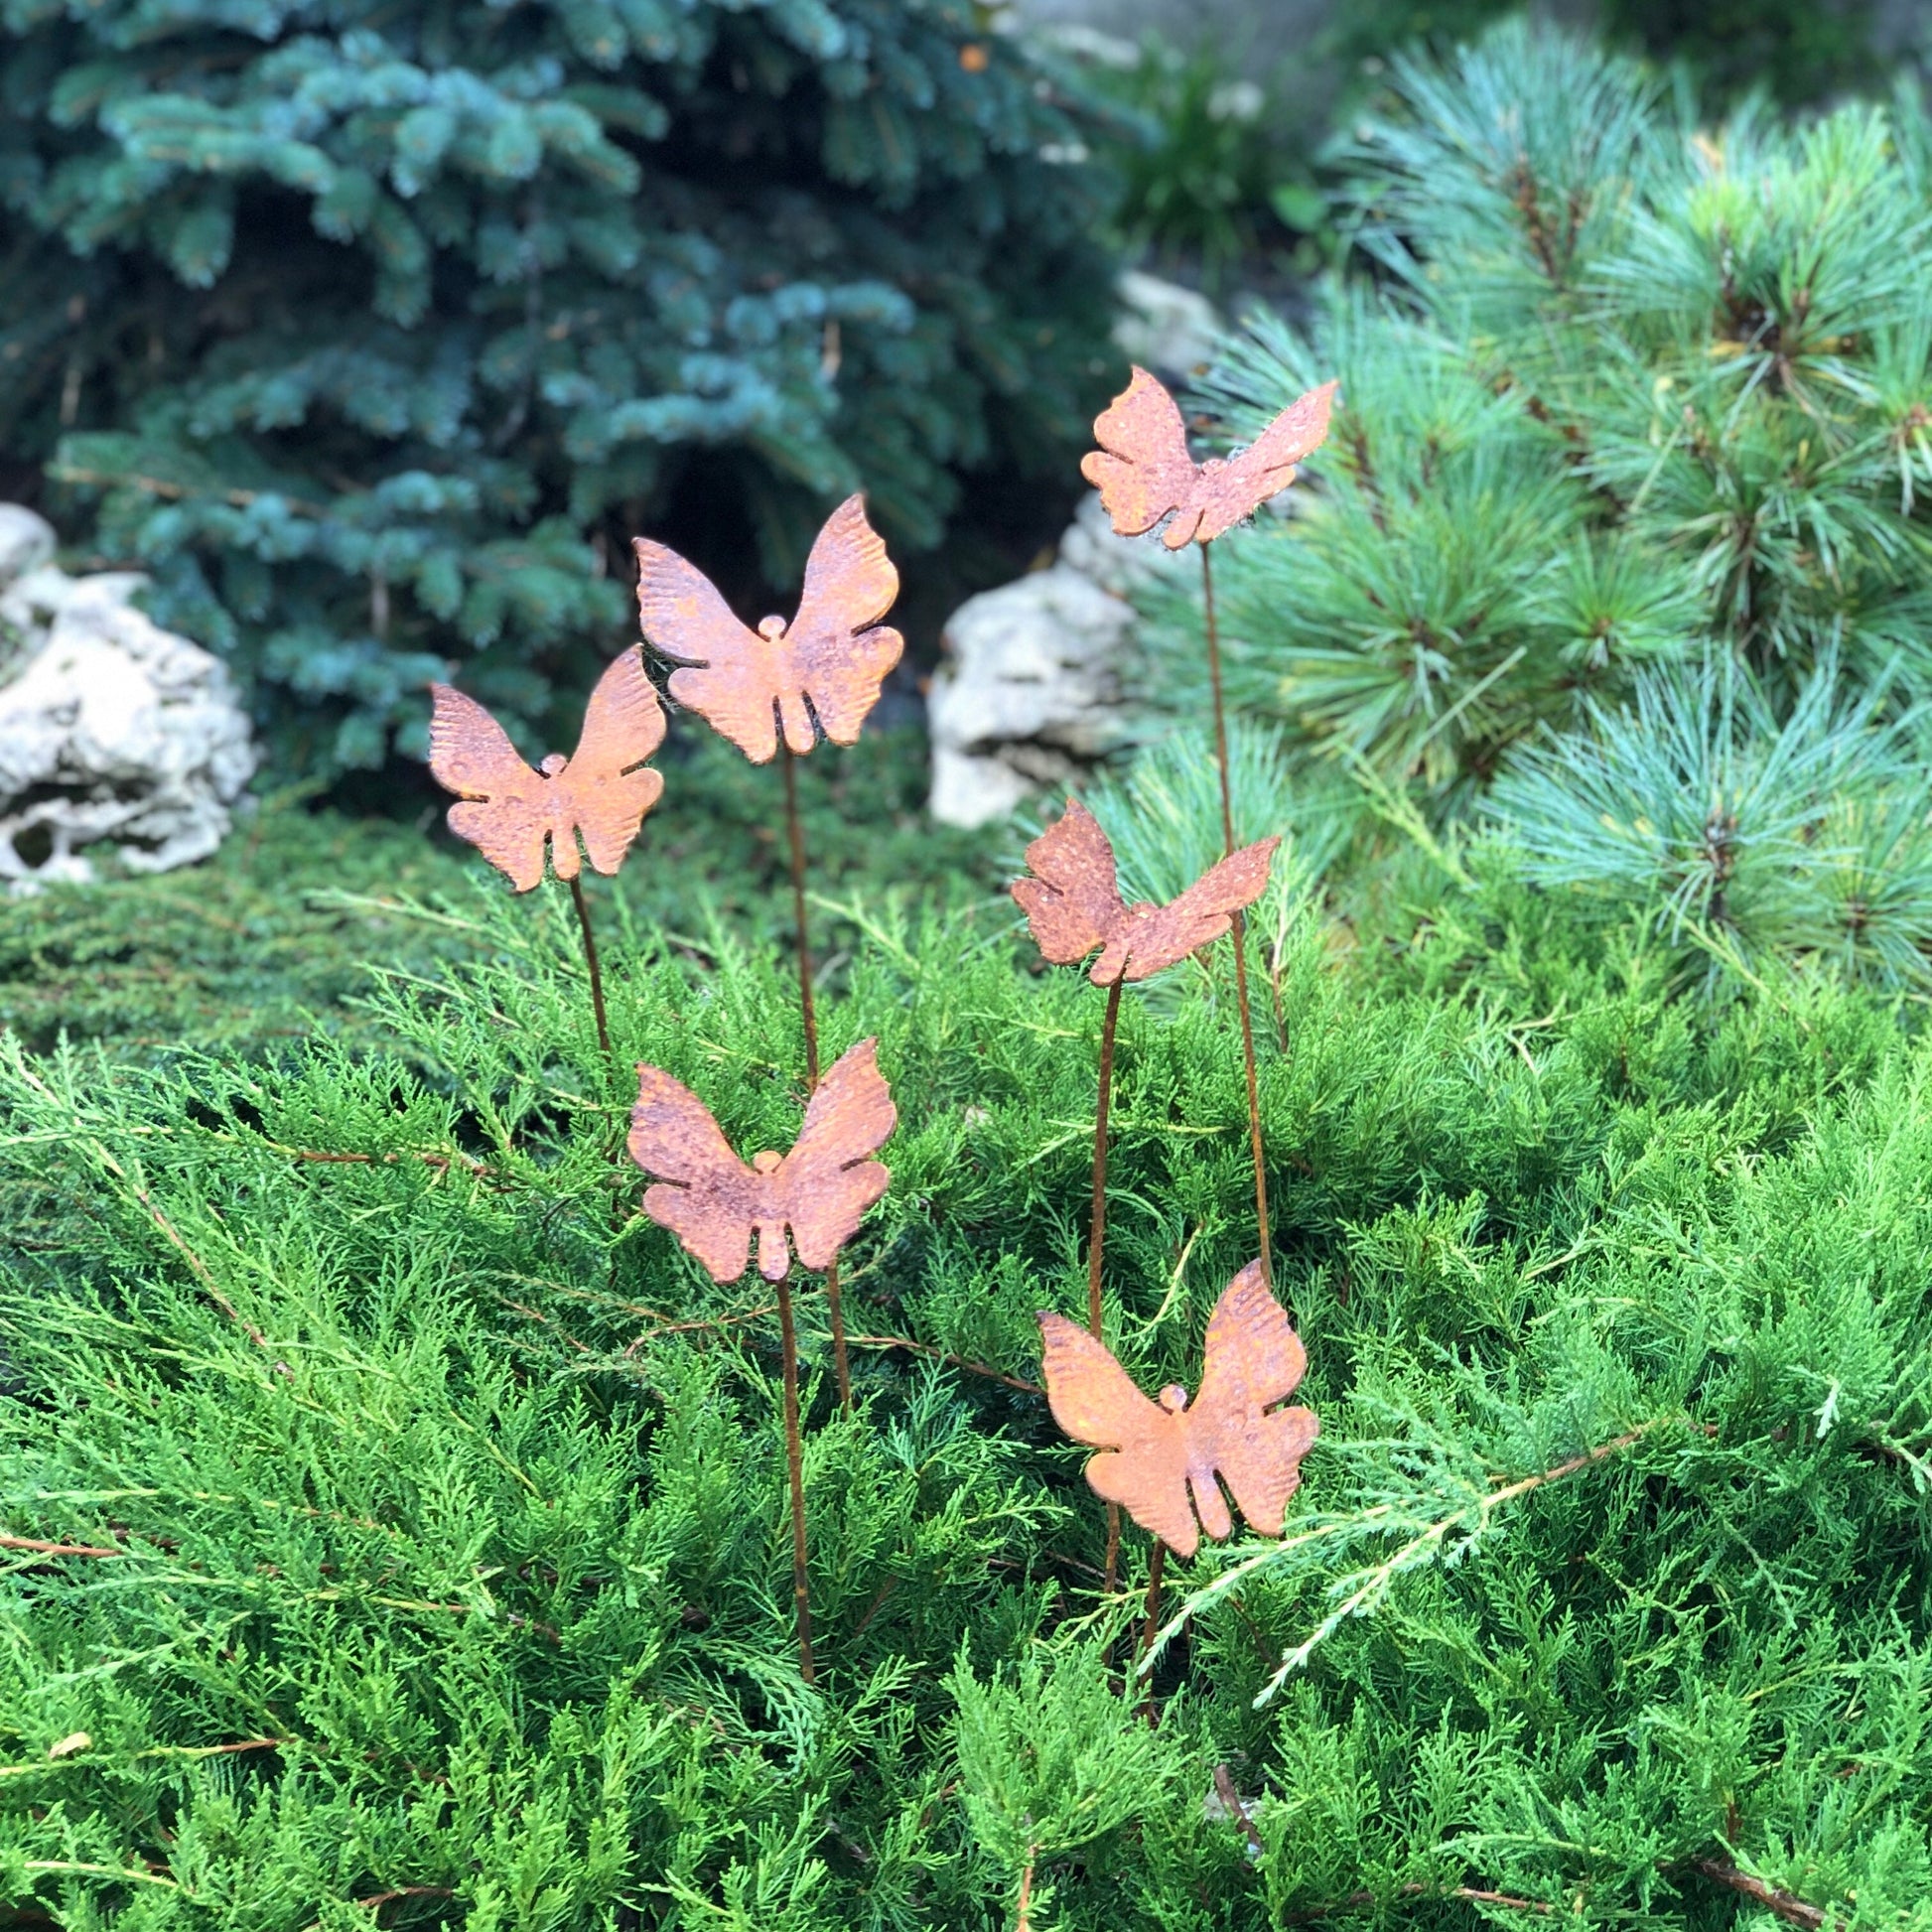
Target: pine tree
column 1623, row 391
column 375, row 333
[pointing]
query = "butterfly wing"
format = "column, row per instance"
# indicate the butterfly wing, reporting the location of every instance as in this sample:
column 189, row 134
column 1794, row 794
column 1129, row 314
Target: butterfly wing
column 837, row 652
column 1236, row 488
column 824, row 1186
column 503, row 807
column 706, row 1196
column 1143, row 1464
column 1142, row 467
column 1253, row 1359
column 606, row 787
column 1166, row 935
column 732, row 676
column 1072, row 901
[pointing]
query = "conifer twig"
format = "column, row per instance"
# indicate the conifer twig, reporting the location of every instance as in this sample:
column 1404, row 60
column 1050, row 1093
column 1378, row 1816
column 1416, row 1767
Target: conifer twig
column 40, row 1547
column 1023, row 1916
column 1793, row 1910
column 1238, row 937
column 951, row 1360
column 1357, row 1902
column 1472, row 1516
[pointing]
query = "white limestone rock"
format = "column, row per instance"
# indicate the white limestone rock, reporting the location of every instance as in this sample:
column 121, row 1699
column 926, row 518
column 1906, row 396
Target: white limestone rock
column 1030, row 694
column 1166, row 327
column 25, row 541
column 114, row 734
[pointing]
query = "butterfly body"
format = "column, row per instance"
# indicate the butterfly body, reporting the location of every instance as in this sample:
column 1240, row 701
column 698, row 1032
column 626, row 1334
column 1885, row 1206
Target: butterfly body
column 1074, row 905
column 1166, row 1461
column 811, row 1199
column 1144, row 472
column 824, row 668
column 600, row 793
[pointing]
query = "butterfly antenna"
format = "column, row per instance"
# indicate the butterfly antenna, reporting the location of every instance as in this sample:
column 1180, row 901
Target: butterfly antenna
column 1239, row 933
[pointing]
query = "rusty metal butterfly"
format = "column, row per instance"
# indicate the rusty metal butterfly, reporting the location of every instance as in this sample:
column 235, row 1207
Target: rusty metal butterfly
column 1073, row 902
column 601, row 792
column 1144, row 472
column 1155, row 1455
column 828, row 664
column 713, row 1202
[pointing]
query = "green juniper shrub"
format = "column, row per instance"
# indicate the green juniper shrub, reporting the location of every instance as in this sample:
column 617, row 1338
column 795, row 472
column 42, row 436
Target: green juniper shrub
column 376, row 333
column 1623, row 391
column 417, row 1514
column 271, row 940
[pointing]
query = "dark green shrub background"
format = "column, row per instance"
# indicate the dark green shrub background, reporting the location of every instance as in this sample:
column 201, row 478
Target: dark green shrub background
column 376, row 333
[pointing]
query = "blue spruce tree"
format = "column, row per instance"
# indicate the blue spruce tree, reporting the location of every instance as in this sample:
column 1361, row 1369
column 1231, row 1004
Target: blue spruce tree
column 372, row 329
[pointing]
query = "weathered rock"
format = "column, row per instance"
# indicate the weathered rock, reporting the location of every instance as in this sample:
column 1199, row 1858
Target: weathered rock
column 1164, row 327
column 1031, row 693
column 114, row 734
column 25, row 541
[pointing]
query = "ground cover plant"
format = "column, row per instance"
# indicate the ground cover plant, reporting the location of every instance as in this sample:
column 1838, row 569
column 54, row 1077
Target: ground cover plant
column 270, row 939
column 1625, row 388
column 417, row 1539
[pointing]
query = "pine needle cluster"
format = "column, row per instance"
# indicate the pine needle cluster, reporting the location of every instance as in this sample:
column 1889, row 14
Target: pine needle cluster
column 394, row 1524
column 1624, row 390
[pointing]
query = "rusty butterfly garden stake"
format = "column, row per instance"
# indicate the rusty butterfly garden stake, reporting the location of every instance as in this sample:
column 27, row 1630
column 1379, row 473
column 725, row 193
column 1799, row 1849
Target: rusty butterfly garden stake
column 600, row 794
column 773, row 689
column 1165, row 1462
column 1146, row 476
column 1071, row 900
column 714, row 1205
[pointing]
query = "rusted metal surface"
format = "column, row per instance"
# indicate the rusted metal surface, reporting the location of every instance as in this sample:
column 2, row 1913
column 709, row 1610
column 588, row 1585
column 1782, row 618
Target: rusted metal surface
column 1073, row 902
column 601, row 792
column 1144, row 472
column 827, row 666
column 713, row 1202
column 1156, row 1456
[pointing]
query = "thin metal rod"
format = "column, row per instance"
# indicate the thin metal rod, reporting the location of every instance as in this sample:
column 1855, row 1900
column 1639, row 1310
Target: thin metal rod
column 589, row 960
column 795, row 833
column 1239, row 934
column 1150, row 1622
column 1097, row 1237
column 795, row 1472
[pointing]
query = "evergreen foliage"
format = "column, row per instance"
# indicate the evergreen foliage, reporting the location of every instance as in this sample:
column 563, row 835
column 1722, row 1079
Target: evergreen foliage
column 272, row 938
column 1213, row 152
column 377, row 333
column 1811, row 836
column 1625, row 393
column 422, row 1549
column 1794, row 51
